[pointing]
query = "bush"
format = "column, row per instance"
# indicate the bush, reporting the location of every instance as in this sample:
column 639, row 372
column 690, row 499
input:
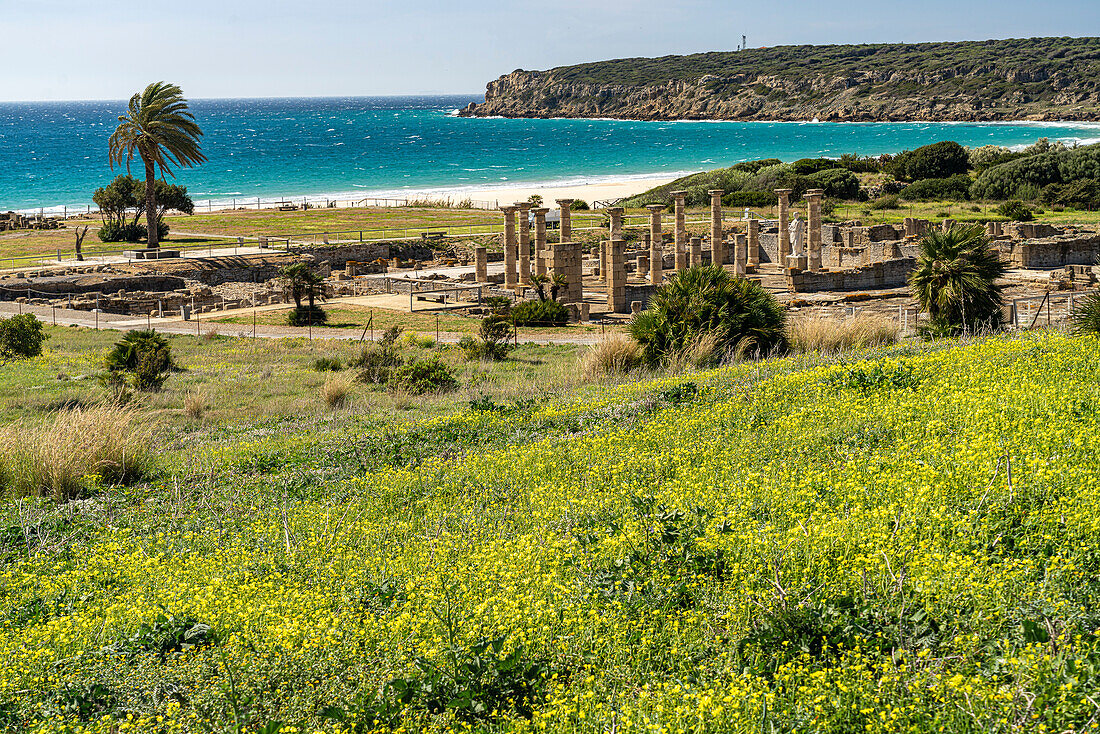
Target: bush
column 1086, row 315
column 955, row 188
column 938, row 160
column 376, row 361
column 1055, row 165
column 327, row 364
column 829, row 335
column 857, row 164
column 806, row 166
column 79, row 447
column 615, row 354
column 492, row 341
column 144, row 356
column 306, row 316
column 1016, row 211
column 749, row 198
column 954, row 280
column 838, row 183
column 1081, row 194
column 579, row 205
column 707, row 300
column 422, row 376
column 755, row 166
column 499, row 305
column 890, row 201
column 115, row 232
column 21, row 337
column 416, row 339
column 540, row 313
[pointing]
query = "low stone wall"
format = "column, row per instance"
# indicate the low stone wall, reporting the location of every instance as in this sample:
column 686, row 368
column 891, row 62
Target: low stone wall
column 1053, row 252
column 878, row 276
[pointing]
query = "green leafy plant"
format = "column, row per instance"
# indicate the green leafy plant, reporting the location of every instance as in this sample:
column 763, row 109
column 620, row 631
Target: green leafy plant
column 145, row 356
column 327, row 364
column 423, row 376
column 867, row 378
column 955, row 280
column 1016, row 210
column 540, row 313
column 302, row 281
column 376, row 361
column 491, row 342
column 1086, row 314
column 709, row 302
column 21, row 337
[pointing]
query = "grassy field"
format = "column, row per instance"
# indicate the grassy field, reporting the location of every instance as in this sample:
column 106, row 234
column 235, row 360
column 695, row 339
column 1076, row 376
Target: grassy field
column 44, row 244
column 901, row 540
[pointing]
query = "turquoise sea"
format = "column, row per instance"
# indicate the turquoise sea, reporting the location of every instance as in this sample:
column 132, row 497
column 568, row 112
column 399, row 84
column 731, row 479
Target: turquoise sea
column 54, row 154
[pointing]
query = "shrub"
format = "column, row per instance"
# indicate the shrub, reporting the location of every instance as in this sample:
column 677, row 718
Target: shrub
column 857, row 164
column 954, row 280
column 79, row 447
column 376, row 361
column 614, row 354
column 1086, row 315
column 1081, row 194
column 144, row 356
column 492, row 341
column 955, row 188
column 707, row 299
column 307, row 316
column 806, row 166
column 115, row 232
column 1052, row 165
column 755, row 166
column 579, row 205
column 21, row 337
column 422, row 376
column 988, row 156
column 416, row 339
column 1015, row 210
column 830, row 335
column 327, row 364
column 938, row 160
column 748, row 198
column 540, row 313
column 838, row 183
column 886, row 202
column 499, row 305
column 335, row 391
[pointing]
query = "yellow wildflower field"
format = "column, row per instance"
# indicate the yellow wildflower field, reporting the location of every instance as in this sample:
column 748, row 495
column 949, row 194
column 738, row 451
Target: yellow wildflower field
column 910, row 542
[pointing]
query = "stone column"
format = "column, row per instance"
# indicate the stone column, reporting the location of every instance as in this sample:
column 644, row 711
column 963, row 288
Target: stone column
column 813, row 224
column 656, row 252
column 566, row 221
column 696, row 252
column 753, row 259
column 603, row 260
column 616, row 214
column 784, row 238
column 616, row 277
column 740, row 252
column 481, row 265
column 509, row 246
column 540, row 245
column 717, row 244
column 679, row 229
column 522, row 209
column 641, row 266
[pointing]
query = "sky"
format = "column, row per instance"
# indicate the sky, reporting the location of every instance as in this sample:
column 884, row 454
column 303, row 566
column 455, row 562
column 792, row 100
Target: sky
column 109, row 49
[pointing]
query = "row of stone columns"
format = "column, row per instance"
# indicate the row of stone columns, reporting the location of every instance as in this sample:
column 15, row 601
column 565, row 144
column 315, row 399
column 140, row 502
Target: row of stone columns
column 517, row 242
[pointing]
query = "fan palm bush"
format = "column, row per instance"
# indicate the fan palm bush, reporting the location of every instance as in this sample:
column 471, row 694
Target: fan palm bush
column 955, row 280
column 1086, row 315
column 709, row 302
column 160, row 128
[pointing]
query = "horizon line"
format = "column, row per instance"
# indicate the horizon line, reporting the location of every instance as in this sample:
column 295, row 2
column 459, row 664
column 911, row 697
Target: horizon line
column 405, row 95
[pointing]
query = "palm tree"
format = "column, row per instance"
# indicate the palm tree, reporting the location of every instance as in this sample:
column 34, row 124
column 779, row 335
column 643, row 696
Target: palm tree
column 954, row 280
column 159, row 126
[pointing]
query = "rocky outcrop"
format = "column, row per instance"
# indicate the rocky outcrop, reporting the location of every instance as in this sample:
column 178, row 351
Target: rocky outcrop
column 835, row 83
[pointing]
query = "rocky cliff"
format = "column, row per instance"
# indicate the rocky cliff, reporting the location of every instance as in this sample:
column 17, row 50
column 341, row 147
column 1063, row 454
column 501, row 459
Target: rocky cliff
column 1019, row 79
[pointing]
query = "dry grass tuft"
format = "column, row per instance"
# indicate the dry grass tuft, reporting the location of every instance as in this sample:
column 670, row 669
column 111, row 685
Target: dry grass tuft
column 194, row 405
column 831, row 335
column 703, row 352
column 615, row 354
column 335, row 391
column 79, row 447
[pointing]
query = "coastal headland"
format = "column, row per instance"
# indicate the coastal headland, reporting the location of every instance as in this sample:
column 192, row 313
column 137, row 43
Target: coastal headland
column 996, row 80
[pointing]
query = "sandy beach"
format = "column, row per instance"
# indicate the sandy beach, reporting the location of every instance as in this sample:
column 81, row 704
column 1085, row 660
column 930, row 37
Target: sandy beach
column 593, row 192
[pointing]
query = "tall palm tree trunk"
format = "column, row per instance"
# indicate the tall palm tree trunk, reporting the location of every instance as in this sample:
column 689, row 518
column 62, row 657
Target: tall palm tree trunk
column 151, row 203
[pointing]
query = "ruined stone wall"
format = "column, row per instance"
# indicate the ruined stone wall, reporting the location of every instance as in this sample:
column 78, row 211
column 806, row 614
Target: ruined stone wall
column 1054, row 252
column 877, row 276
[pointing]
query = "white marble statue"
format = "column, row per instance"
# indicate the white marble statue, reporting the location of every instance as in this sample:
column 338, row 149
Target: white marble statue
column 797, row 229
